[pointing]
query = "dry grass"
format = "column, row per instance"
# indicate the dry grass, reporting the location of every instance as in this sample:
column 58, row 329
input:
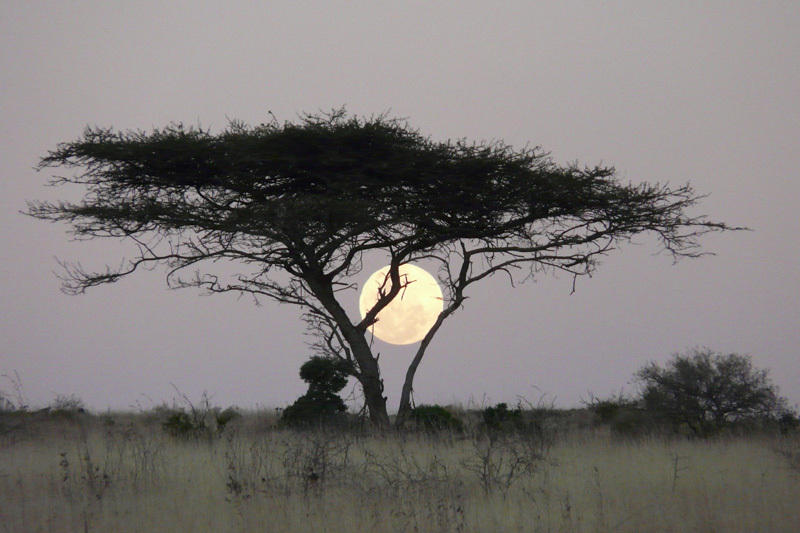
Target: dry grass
column 83, row 474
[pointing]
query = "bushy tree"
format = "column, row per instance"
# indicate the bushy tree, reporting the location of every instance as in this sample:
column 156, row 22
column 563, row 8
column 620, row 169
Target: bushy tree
column 707, row 391
column 298, row 205
column 325, row 376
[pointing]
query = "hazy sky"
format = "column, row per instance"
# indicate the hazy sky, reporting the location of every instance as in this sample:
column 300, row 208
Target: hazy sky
column 664, row 91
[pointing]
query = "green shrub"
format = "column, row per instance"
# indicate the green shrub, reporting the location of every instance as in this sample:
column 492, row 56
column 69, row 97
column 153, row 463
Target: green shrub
column 197, row 423
column 788, row 423
column 499, row 418
column 435, row 418
column 320, row 404
column 223, row 417
column 313, row 410
column 624, row 416
column 180, row 424
column 191, row 420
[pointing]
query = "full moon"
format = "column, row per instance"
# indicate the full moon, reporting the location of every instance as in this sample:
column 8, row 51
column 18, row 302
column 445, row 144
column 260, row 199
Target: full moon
column 411, row 313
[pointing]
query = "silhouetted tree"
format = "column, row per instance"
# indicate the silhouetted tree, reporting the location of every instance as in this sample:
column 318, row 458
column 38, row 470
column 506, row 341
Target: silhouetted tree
column 707, row 390
column 297, row 205
column 326, row 376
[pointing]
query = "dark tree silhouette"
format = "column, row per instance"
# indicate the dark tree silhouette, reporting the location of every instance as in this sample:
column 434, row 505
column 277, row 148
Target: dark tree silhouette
column 297, row 205
column 707, row 391
column 326, row 376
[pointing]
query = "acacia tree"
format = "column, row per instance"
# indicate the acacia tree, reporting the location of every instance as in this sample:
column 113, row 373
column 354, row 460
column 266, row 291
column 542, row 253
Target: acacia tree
column 298, row 205
column 707, row 390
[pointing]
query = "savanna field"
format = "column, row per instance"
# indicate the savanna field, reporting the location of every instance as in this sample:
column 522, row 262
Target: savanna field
column 561, row 471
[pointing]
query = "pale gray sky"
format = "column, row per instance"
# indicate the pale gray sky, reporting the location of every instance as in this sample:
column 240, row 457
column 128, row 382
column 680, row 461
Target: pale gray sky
column 665, row 91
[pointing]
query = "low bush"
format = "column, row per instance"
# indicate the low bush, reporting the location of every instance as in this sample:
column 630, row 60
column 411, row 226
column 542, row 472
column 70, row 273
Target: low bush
column 195, row 420
column 226, row 416
column 67, row 406
column 501, row 418
column 624, row 416
column 314, row 410
column 435, row 418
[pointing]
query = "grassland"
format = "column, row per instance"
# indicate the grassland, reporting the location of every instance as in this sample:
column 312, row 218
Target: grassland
column 122, row 472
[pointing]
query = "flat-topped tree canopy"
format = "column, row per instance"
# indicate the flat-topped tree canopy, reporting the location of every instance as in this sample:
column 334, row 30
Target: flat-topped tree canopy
column 312, row 197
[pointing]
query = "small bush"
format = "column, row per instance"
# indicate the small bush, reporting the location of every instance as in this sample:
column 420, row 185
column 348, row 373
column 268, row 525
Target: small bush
column 67, row 406
column 500, row 418
column 195, row 420
column 15, row 401
column 624, row 416
column 313, row 410
column 788, row 423
column 435, row 418
column 180, row 424
column 193, row 424
column 226, row 416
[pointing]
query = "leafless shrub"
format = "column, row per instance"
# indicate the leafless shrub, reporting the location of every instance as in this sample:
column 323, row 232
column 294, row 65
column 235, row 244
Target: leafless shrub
column 247, row 467
column 789, row 449
column 314, row 459
column 134, row 453
column 425, row 493
column 14, row 400
column 186, row 419
column 68, row 404
column 430, row 510
column 499, row 460
column 84, row 479
column 12, row 405
column 400, row 472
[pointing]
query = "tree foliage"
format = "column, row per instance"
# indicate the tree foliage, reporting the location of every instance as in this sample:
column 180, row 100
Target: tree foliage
column 325, row 377
column 298, row 205
column 707, row 390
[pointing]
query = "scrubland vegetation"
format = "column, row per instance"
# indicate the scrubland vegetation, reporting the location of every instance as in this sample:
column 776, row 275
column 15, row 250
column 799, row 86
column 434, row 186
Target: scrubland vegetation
column 499, row 469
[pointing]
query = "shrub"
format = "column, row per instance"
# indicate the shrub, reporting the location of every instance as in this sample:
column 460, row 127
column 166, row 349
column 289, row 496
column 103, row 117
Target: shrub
column 625, row 416
column 788, row 423
column 226, row 416
column 321, row 404
column 313, row 410
column 499, row 417
column 435, row 418
column 67, row 406
column 195, row 420
column 12, row 401
column 180, row 424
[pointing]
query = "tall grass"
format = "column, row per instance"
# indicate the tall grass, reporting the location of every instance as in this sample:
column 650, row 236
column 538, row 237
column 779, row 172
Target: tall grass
column 124, row 473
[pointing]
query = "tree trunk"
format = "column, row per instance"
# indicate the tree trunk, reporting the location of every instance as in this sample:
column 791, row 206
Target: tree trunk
column 404, row 409
column 371, row 382
column 369, row 373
